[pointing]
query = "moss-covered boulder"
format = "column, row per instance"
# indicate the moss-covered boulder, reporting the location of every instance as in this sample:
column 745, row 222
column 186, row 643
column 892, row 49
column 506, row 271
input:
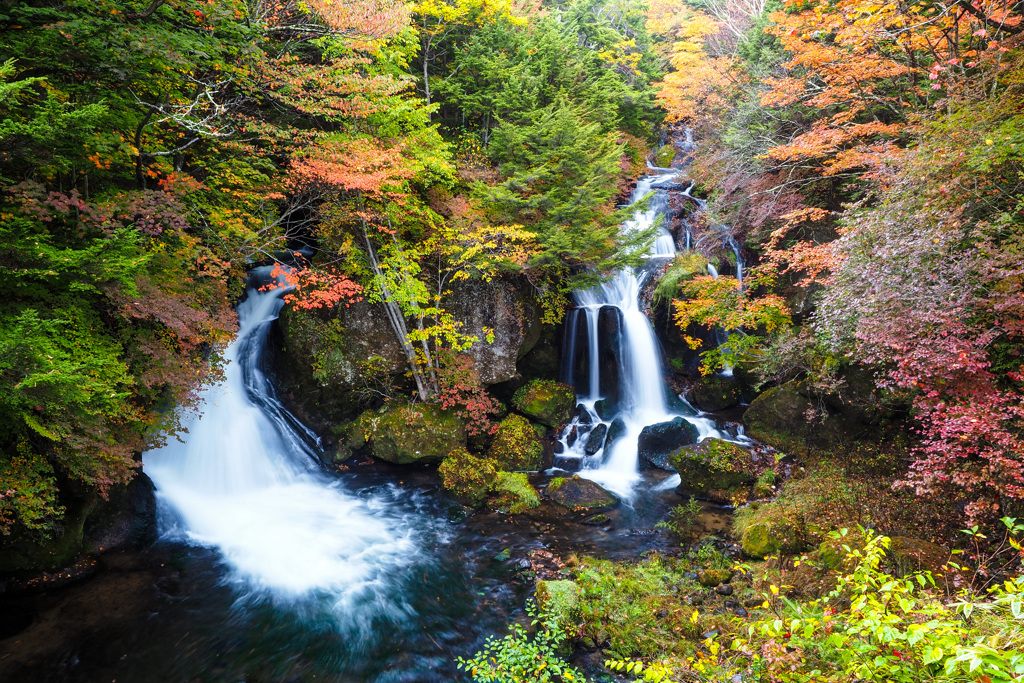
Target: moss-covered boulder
column 772, row 537
column 715, row 393
column 516, row 445
column 561, row 599
column 714, row 469
column 578, row 493
column 514, row 492
column 468, row 477
column 712, row 577
column 908, row 555
column 664, row 156
column 546, row 401
column 404, row 434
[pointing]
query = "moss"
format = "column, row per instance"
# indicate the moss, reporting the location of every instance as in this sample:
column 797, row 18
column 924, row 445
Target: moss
column 468, row 477
column 546, row 401
column 665, row 155
column 765, row 484
column 516, row 445
column 404, row 434
column 683, row 268
column 909, row 555
column 515, row 494
column 832, row 553
column 556, row 483
column 562, row 599
column 714, row 469
column 773, row 537
column 580, row 494
column 712, row 577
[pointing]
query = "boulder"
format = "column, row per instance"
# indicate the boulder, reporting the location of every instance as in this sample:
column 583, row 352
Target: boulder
column 606, row 408
column 561, row 599
column 421, row 432
column 549, row 402
column 908, row 555
column 657, row 441
column 514, row 493
column 578, row 493
column 713, row 577
column 516, row 445
column 505, row 307
column 616, row 430
column 468, row 477
column 772, row 538
column 715, row 393
column 596, row 439
column 713, row 469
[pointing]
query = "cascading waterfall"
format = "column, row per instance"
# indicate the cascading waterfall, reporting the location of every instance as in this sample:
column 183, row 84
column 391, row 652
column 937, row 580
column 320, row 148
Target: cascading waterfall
column 642, row 398
column 245, row 480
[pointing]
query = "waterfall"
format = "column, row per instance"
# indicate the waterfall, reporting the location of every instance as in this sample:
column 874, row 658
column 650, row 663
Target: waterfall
column 635, row 393
column 245, row 480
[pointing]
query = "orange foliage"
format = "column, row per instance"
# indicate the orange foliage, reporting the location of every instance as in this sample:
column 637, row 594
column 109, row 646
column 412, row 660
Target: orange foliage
column 313, row 289
column 361, row 165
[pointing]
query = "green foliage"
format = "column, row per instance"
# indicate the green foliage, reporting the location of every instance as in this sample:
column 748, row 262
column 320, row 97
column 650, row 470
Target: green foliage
column 518, row 657
column 515, row 495
column 895, row 629
column 682, row 269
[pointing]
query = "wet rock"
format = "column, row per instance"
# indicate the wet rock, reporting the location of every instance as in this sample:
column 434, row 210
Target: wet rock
column 691, row 576
column 127, row 519
column 606, row 408
column 741, row 613
column 558, row 448
column 583, row 415
column 596, row 439
column 421, row 432
column 598, row 520
column 724, row 589
column 550, row 403
column 616, row 430
column 516, row 446
column 716, row 392
column 715, row 470
column 657, row 441
column 578, row 493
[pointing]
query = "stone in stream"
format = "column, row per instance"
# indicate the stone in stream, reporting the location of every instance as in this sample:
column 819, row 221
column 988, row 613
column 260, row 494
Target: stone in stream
column 615, row 432
column 596, row 439
column 657, row 441
column 714, row 470
column 516, row 445
column 606, row 408
column 579, row 494
column 583, row 415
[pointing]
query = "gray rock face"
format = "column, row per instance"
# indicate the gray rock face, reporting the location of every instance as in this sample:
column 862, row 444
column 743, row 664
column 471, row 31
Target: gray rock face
column 505, row 308
column 596, row 439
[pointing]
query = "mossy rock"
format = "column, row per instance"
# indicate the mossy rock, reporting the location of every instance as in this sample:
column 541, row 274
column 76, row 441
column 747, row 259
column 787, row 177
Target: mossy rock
column 772, row 538
column 665, row 155
column 546, row 401
column 561, row 599
column 468, row 477
column 657, row 442
column 715, row 393
column 908, row 555
column 713, row 469
column 404, row 434
column 516, row 445
column 578, row 493
column 832, row 553
column 712, row 577
column 514, row 493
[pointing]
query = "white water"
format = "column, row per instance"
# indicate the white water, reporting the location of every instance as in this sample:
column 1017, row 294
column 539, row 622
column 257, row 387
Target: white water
column 643, row 398
column 246, row 482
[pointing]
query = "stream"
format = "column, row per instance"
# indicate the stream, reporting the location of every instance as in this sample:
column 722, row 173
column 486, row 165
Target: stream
column 271, row 567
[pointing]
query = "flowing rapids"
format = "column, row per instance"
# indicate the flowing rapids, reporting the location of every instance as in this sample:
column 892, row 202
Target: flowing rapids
column 246, row 481
column 612, row 355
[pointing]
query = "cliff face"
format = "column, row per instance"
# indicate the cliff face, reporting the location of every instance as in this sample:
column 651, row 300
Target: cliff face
column 332, row 365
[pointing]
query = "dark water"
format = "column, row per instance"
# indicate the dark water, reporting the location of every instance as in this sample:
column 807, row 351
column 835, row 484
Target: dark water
column 173, row 613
